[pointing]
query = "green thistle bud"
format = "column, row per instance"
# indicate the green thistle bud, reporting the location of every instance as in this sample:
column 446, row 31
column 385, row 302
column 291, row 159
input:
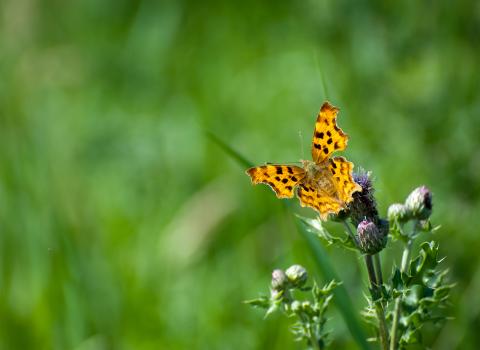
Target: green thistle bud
column 296, row 306
column 297, row 275
column 279, row 280
column 371, row 239
column 307, row 307
column 419, row 203
column 398, row 212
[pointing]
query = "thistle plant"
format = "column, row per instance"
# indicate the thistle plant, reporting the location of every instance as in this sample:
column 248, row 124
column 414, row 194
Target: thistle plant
column 398, row 307
column 287, row 294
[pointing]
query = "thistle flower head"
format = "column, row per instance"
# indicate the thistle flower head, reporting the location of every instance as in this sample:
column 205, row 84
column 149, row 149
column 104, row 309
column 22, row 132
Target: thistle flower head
column 398, row 212
column 363, row 204
column 419, row 203
column 371, row 238
column 296, row 275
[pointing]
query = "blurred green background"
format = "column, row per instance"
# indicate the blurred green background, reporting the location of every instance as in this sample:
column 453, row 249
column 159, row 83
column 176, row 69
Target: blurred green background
column 123, row 227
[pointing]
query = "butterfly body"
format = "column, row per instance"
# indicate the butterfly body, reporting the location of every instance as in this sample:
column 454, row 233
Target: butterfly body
column 324, row 184
column 319, row 176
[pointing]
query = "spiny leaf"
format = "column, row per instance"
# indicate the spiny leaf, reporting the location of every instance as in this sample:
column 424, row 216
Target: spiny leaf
column 426, row 261
column 316, row 227
column 262, row 302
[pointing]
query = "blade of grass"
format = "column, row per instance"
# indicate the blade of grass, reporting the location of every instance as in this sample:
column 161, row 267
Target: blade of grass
column 341, row 300
column 322, row 77
column 229, row 150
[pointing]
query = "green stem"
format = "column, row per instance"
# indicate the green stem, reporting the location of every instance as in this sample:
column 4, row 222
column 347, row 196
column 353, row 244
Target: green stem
column 398, row 303
column 378, row 268
column 311, row 334
column 314, row 341
column 375, row 291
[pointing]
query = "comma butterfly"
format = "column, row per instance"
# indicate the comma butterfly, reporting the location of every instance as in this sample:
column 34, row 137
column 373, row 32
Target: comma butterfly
column 326, row 184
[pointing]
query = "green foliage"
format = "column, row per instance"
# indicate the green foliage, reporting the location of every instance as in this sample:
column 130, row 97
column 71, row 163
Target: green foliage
column 424, row 291
column 309, row 314
column 342, row 297
column 314, row 226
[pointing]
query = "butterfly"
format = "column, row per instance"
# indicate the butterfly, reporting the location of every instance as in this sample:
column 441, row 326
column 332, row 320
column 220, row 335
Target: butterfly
column 324, row 184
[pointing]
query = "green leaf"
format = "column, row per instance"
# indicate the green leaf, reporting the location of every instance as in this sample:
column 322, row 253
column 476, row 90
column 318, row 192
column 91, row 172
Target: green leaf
column 426, row 261
column 262, row 302
column 396, row 231
column 397, row 282
column 315, row 226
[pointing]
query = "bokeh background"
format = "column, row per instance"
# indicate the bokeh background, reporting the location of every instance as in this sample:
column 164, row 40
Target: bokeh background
column 122, row 226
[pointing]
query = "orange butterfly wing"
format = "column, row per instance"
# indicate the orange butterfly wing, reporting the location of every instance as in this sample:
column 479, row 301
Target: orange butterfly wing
column 313, row 196
column 327, row 137
column 281, row 178
column 341, row 170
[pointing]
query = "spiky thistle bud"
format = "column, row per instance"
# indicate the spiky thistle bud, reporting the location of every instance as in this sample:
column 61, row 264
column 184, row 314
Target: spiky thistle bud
column 363, row 204
column 296, row 306
column 297, row 275
column 398, row 212
column 419, row 203
column 279, row 280
column 371, row 239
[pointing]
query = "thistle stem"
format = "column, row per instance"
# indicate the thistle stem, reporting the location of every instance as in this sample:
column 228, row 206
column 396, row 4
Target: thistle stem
column 375, row 292
column 398, row 303
column 311, row 334
column 378, row 268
